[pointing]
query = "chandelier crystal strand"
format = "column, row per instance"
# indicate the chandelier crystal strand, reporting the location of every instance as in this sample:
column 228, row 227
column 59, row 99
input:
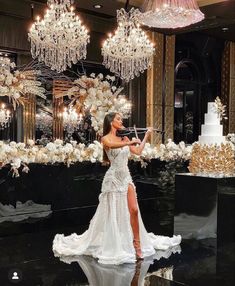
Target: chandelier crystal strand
column 129, row 51
column 5, row 117
column 170, row 14
column 59, row 39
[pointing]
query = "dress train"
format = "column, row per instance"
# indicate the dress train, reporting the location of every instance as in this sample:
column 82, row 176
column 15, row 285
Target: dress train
column 109, row 236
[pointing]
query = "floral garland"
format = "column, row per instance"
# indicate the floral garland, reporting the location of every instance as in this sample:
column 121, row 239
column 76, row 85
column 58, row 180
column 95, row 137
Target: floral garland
column 100, row 96
column 18, row 84
column 20, row 154
column 165, row 152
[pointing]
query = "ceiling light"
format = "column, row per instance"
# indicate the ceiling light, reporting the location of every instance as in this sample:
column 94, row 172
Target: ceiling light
column 225, row 29
column 97, row 6
column 59, row 39
column 170, row 14
column 128, row 52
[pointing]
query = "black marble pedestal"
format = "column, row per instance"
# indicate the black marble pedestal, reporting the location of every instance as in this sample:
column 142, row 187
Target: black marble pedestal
column 204, row 207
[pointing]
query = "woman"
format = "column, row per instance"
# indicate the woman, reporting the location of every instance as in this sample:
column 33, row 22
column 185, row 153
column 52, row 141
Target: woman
column 116, row 233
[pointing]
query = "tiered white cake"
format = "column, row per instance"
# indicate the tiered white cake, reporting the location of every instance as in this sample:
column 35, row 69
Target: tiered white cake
column 212, row 130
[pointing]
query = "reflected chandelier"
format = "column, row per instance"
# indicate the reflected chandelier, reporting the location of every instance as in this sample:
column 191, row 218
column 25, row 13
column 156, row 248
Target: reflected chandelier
column 44, row 122
column 5, row 117
column 170, row 14
column 129, row 51
column 71, row 120
column 59, row 39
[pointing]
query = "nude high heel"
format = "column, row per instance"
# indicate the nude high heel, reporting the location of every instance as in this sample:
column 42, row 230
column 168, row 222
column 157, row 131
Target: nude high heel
column 137, row 247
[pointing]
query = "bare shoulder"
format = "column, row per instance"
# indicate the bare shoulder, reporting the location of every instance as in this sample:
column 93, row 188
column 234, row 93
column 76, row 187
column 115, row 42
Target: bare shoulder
column 105, row 141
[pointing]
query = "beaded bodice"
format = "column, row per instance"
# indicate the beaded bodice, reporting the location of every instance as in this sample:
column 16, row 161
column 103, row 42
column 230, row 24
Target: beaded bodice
column 118, row 157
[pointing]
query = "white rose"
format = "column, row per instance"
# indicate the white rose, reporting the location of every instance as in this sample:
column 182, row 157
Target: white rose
column 182, row 145
column 16, row 163
column 13, row 144
column 51, row 147
column 100, row 76
column 93, row 160
column 58, row 142
column 30, row 142
column 68, row 148
column 21, row 145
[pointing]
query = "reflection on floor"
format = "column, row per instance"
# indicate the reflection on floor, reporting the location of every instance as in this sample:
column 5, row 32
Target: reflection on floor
column 23, row 211
column 198, row 263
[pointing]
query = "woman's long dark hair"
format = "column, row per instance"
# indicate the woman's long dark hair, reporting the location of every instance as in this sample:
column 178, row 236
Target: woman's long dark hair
column 106, row 129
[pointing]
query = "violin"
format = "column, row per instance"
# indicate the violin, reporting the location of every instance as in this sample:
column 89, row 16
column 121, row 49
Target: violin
column 136, row 131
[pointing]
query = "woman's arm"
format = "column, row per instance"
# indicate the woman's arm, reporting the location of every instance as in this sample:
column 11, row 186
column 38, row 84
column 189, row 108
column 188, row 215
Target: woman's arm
column 137, row 150
column 115, row 144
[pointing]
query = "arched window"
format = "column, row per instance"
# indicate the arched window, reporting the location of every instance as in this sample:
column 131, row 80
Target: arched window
column 187, row 99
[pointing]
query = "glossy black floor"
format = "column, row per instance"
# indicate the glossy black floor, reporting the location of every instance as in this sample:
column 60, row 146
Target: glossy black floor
column 197, row 263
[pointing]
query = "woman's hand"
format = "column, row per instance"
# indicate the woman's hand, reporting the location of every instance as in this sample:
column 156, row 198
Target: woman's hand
column 129, row 142
column 125, row 139
column 149, row 131
column 135, row 141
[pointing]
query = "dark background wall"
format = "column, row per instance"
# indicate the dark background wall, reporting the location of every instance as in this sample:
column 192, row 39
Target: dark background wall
column 198, row 59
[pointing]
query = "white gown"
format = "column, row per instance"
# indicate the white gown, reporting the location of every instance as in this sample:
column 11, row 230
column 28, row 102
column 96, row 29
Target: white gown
column 109, row 236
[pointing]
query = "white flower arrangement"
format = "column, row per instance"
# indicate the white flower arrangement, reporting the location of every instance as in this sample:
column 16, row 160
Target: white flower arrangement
column 16, row 85
column 20, row 154
column 17, row 154
column 165, row 152
column 99, row 96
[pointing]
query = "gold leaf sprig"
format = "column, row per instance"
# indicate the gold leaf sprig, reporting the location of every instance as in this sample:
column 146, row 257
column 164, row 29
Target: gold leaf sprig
column 220, row 108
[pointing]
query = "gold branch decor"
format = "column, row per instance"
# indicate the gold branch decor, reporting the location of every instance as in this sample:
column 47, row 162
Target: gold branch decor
column 213, row 160
column 18, row 84
column 99, row 96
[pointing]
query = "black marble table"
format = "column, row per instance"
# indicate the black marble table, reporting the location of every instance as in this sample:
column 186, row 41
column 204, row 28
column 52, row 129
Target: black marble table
column 204, row 207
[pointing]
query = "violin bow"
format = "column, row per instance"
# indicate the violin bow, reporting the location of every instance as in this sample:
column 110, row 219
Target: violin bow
column 135, row 130
column 136, row 133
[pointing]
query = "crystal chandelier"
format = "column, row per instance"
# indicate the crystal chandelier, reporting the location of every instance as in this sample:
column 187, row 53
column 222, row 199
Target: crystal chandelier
column 170, row 14
column 5, row 117
column 128, row 52
column 44, row 122
column 71, row 120
column 59, row 39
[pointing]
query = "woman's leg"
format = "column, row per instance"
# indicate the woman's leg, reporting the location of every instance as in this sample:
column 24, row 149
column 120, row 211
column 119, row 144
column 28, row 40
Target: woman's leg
column 133, row 209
